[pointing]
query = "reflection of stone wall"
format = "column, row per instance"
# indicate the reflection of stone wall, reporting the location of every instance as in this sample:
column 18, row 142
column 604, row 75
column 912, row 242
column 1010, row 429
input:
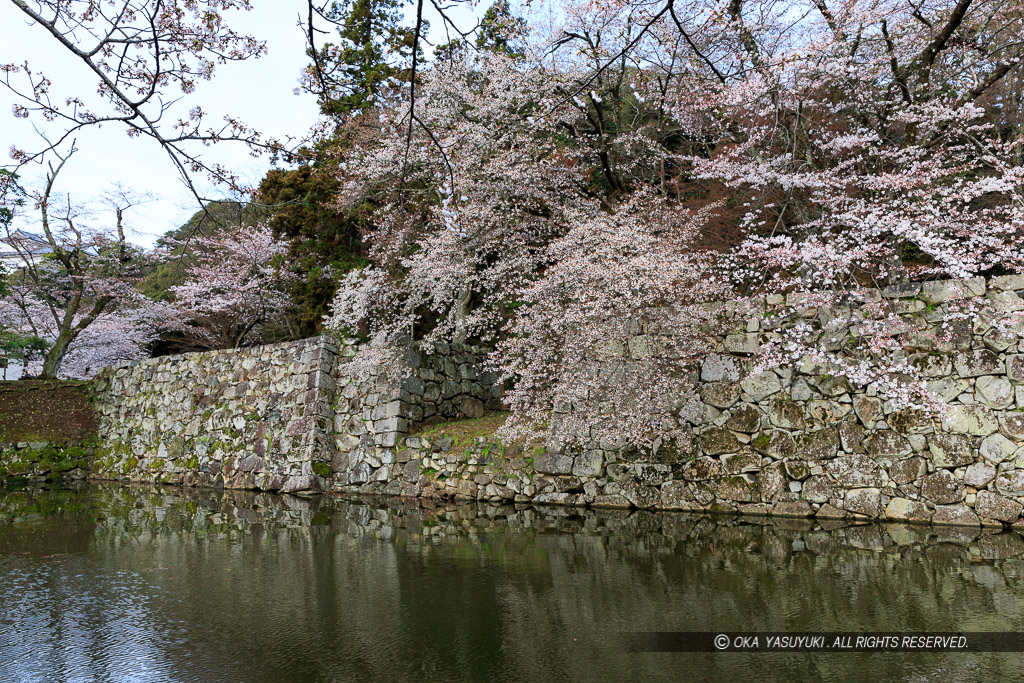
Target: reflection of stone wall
column 481, row 591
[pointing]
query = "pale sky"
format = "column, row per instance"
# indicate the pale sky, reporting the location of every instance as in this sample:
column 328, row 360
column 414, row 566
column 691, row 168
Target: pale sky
column 259, row 92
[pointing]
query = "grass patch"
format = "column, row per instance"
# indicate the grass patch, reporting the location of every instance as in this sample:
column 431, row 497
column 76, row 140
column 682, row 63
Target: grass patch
column 464, row 431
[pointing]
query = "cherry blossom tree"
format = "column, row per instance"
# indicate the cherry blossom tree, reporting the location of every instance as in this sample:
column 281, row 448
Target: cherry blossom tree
column 235, row 289
column 843, row 147
column 583, row 200
column 80, row 297
column 857, row 144
column 120, row 334
column 145, row 55
column 466, row 207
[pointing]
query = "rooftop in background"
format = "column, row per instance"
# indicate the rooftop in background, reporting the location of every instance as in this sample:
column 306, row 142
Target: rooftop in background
column 20, row 245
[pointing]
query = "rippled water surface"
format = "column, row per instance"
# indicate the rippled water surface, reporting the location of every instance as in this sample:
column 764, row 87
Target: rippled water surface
column 161, row 584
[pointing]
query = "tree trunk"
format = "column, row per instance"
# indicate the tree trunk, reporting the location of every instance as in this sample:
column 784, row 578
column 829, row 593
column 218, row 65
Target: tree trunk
column 462, row 312
column 54, row 357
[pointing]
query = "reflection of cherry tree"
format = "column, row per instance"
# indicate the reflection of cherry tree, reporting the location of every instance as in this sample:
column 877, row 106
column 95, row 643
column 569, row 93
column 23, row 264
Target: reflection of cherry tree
column 235, row 289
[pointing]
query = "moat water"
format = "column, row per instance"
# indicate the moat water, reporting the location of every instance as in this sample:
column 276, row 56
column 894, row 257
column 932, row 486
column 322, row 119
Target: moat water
column 126, row 583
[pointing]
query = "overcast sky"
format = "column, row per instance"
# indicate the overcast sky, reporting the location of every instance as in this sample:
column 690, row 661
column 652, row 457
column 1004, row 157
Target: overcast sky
column 260, row 92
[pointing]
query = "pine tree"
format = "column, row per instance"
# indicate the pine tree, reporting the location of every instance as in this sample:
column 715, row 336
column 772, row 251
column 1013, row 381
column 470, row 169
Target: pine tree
column 373, row 48
column 500, row 30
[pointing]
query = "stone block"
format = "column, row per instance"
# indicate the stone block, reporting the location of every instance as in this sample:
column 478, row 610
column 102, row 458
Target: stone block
column 996, row 448
column 388, row 439
column 825, row 412
column 391, row 424
column 718, row 440
column 301, row 482
column 908, row 470
column 942, row 488
column 938, row 291
column 957, row 514
column 641, row 495
column 851, row 434
column 798, row 469
column 823, row 444
column 786, row 414
column 1011, row 425
column 995, row 392
column 855, row 471
column 795, row 508
column 720, row 394
column 720, row 368
column 470, row 407
column 979, row 475
column 741, row 462
column 702, row 469
column 829, row 511
column 991, row 505
column 761, row 386
column 866, row 501
column 887, row 444
column 676, row 495
column 1005, row 301
column 818, row 489
column 1007, row 282
column 800, row 391
column 698, row 413
column 868, row 409
column 998, row 340
column 1011, row 483
column 950, row 450
column 613, row 500
column 589, row 464
column 745, row 344
column 772, row 482
column 975, row 420
column 978, row 363
column 933, row 366
column 737, row 487
column 902, row 290
column 745, row 419
column 904, row 510
column 1015, row 368
column 553, row 463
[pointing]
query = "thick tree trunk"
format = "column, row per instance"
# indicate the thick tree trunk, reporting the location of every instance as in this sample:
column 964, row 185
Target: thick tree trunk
column 53, row 357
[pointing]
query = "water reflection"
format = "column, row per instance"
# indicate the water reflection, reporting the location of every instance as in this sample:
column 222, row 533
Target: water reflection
column 164, row 584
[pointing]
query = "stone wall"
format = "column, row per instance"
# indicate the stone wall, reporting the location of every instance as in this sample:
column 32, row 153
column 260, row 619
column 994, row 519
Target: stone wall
column 44, row 460
column 795, row 441
column 275, row 417
column 248, row 418
column 373, row 415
